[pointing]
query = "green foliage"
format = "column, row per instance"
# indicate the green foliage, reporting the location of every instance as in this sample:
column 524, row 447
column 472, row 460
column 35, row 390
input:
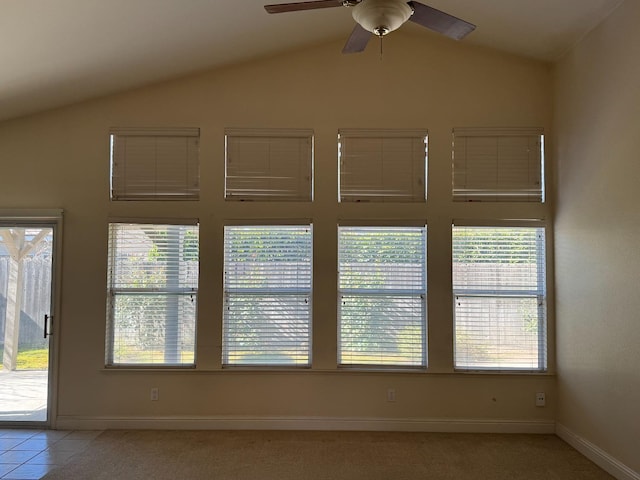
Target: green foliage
column 475, row 352
column 136, row 355
column 37, row 359
column 190, row 247
column 394, row 246
column 266, row 244
column 511, row 245
column 167, row 239
column 153, row 255
column 258, row 358
column 529, row 317
column 33, row 359
column 142, row 320
column 376, row 327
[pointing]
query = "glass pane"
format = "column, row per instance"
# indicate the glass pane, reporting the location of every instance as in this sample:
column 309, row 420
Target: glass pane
column 153, row 280
column 267, row 330
column 382, row 330
column 498, row 332
column 382, row 166
column 267, row 282
column 499, row 288
column 25, row 298
column 267, row 165
column 154, row 329
column 382, row 283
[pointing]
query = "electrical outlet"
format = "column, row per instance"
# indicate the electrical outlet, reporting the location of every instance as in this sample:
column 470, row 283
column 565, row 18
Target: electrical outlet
column 155, row 394
column 391, row 395
column 541, row 399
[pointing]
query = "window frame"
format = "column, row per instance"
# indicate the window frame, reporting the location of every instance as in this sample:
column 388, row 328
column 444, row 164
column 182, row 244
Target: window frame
column 382, row 193
column 469, row 189
column 271, row 136
column 307, row 292
column 119, row 185
column 422, row 294
column 113, row 293
column 540, row 293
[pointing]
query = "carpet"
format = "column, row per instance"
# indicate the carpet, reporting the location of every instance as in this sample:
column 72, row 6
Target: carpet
column 270, row 455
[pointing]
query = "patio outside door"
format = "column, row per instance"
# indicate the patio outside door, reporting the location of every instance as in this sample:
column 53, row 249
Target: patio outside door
column 26, row 323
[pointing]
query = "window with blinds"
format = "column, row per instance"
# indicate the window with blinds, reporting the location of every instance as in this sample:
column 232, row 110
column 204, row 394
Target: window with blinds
column 382, row 165
column 152, row 291
column 500, row 298
column 498, row 165
column 267, row 295
column 269, row 164
column 382, row 296
column 155, row 164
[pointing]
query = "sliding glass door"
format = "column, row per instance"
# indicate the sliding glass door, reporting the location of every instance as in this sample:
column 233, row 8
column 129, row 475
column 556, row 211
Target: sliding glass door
column 26, row 320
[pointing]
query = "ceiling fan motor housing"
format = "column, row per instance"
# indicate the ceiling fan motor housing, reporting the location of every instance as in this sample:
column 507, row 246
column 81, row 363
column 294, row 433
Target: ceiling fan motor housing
column 381, row 16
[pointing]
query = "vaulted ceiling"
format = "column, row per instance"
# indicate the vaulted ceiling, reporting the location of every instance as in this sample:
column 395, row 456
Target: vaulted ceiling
column 56, row 52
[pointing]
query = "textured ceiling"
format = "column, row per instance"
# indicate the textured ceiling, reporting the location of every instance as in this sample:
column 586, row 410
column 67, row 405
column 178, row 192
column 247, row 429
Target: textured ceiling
column 56, row 52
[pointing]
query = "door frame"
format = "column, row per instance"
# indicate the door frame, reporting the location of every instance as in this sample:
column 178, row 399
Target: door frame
column 45, row 218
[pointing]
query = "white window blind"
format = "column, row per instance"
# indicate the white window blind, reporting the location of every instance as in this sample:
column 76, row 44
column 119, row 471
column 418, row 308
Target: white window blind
column 382, row 296
column 267, row 295
column 152, row 294
column 269, row 164
column 382, row 165
column 500, row 298
column 155, row 164
column 498, row 164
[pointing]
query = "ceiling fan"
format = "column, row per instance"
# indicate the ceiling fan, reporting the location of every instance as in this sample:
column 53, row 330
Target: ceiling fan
column 379, row 17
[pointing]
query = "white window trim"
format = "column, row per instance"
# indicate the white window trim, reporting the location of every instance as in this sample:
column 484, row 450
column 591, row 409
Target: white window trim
column 382, row 193
column 306, row 292
column 541, row 294
column 422, row 293
column 462, row 193
column 113, row 292
column 118, row 184
column 263, row 183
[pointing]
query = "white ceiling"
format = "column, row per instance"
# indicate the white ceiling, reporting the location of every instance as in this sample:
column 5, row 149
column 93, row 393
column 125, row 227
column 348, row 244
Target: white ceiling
column 56, row 52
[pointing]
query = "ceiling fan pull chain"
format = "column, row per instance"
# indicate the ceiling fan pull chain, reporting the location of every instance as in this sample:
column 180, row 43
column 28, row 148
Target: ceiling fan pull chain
column 381, row 47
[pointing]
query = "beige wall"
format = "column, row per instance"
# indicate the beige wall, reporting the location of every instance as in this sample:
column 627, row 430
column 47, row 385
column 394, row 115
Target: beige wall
column 60, row 159
column 597, row 231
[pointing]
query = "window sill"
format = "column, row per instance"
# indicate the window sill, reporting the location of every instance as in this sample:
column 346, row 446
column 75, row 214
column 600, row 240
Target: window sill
column 310, row 371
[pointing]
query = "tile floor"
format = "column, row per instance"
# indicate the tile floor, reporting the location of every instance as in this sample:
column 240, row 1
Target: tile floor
column 31, row 454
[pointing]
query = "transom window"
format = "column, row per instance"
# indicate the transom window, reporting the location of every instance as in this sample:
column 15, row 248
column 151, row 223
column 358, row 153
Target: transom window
column 382, row 165
column 155, row 163
column 269, row 164
column 498, row 165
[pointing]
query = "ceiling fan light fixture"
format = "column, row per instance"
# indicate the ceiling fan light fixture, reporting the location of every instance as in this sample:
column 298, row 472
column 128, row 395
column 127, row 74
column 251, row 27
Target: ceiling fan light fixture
column 381, row 16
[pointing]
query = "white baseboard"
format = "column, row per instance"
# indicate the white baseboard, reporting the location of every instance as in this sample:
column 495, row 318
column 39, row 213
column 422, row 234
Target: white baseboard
column 65, row 422
column 596, row 455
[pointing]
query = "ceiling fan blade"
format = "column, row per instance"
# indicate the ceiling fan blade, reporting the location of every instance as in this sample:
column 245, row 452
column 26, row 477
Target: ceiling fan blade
column 297, row 6
column 357, row 41
column 439, row 21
